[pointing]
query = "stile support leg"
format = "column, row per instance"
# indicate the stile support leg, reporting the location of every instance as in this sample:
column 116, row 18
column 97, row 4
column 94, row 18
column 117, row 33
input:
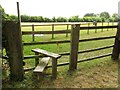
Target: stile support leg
column 54, row 68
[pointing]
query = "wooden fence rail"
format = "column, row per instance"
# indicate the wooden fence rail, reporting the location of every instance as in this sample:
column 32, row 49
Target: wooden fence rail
column 68, row 41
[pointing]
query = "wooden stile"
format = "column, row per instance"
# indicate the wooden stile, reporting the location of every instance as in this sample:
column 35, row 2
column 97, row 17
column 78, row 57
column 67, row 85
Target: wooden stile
column 54, row 57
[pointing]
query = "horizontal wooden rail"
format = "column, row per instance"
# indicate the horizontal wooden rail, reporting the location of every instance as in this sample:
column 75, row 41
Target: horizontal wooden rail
column 68, row 41
column 46, row 32
column 89, row 50
column 83, row 60
column 62, row 23
column 97, row 27
column 68, row 53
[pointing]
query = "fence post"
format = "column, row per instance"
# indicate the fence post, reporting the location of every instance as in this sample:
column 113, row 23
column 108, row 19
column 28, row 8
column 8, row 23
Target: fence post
column 108, row 25
column 67, row 30
column 33, row 37
column 15, row 50
column 96, row 29
column 112, row 24
column 74, row 46
column 88, row 28
column 52, row 31
column 102, row 26
column 116, row 48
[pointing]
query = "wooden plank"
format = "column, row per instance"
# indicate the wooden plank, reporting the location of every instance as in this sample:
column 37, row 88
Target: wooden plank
column 74, row 47
column 44, row 52
column 41, row 66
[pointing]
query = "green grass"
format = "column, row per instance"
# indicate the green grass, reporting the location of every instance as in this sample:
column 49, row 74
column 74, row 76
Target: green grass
column 61, row 48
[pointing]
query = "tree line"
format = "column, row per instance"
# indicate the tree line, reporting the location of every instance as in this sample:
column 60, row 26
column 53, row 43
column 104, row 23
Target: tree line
column 88, row 17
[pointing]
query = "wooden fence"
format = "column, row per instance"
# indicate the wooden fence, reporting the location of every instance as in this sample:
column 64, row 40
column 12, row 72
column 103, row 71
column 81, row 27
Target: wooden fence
column 66, row 31
column 15, row 46
column 74, row 43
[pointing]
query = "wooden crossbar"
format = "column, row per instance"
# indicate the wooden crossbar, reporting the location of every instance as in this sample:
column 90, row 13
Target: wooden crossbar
column 46, row 53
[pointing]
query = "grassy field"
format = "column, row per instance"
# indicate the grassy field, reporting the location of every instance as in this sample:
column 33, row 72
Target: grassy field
column 100, row 73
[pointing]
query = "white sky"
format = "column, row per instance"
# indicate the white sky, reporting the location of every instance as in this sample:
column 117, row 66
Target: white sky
column 64, row 8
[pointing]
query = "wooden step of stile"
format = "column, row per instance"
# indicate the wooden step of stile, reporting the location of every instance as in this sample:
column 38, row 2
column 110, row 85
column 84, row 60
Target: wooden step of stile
column 41, row 66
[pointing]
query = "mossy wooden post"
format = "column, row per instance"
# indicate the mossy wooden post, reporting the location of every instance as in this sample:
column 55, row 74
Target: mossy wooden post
column 15, row 50
column 116, row 48
column 33, row 37
column 74, row 46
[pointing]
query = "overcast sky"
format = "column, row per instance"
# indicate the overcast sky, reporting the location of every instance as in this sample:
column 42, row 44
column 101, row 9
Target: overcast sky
column 64, row 8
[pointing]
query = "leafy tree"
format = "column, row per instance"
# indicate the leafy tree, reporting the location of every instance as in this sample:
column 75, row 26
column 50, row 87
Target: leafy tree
column 90, row 15
column 105, row 15
column 54, row 19
column 25, row 18
column 4, row 15
column 13, row 17
column 74, row 19
column 61, row 19
column 47, row 19
column 116, row 17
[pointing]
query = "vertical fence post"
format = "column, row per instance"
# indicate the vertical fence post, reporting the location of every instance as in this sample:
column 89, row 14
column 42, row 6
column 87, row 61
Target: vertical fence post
column 52, row 31
column 33, row 37
column 108, row 25
column 116, row 48
column 67, row 30
column 88, row 28
column 96, row 28
column 15, row 50
column 102, row 26
column 112, row 24
column 74, row 46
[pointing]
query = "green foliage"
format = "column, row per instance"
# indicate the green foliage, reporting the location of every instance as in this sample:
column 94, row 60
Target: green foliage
column 105, row 15
column 74, row 19
column 90, row 15
column 62, row 19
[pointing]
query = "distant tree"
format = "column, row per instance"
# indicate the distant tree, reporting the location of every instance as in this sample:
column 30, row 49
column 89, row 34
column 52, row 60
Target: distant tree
column 25, row 18
column 116, row 17
column 74, row 19
column 54, row 19
column 90, row 15
column 47, row 19
column 105, row 15
column 61, row 19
